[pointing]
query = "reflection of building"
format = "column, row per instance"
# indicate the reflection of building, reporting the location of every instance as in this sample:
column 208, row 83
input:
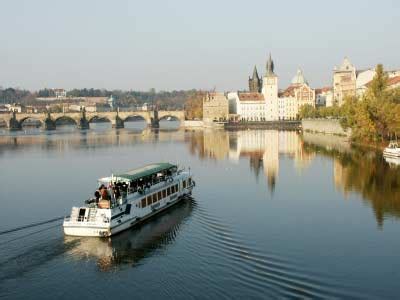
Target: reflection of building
column 267, row 146
column 215, row 144
column 215, row 107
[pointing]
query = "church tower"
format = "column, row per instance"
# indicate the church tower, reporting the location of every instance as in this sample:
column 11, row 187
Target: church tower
column 255, row 82
column 270, row 91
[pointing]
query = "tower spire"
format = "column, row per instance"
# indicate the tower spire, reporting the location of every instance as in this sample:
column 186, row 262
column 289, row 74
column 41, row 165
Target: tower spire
column 255, row 73
column 270, row 66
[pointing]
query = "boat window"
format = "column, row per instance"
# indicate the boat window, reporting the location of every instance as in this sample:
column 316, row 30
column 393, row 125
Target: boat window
column 168, row 191
column 172, row 189
column 143, row 202
column 149, row 200
column 164, row 193
column 176, row 188
column 190, row 181
column 154, row 197
column 184, row 184
column 159, row 196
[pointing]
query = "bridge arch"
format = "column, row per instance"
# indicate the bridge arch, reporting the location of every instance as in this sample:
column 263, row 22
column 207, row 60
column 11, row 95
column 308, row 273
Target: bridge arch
column 24, row 121
column 170, row 118
column 65, row 120
column 3, row 123
column 99, row 119
column 134, row 118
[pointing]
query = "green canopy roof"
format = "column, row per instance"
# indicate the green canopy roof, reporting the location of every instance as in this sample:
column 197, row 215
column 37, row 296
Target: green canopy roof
column 145, row 171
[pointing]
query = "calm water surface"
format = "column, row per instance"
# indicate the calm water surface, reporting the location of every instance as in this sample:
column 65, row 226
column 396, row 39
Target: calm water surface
column 273, row 215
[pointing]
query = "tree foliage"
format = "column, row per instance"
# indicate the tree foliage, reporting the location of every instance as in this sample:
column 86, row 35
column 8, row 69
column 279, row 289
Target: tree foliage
column 194, row 106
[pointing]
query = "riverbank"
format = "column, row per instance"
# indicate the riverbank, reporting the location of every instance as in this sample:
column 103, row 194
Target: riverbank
column 325, row 126
column 277, row 125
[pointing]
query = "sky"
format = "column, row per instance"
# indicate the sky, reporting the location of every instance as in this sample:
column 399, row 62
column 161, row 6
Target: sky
column 184, row 44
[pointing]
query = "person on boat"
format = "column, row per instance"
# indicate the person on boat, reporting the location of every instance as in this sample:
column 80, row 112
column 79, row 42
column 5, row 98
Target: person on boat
column 117, row 192
column 97, row 196
column 104, row 193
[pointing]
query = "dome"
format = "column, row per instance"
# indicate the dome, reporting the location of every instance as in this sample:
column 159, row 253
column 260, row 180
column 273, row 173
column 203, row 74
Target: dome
column 299, row 78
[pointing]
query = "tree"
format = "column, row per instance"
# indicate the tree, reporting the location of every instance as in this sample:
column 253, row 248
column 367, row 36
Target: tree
column 376, row 115
column 194, row 106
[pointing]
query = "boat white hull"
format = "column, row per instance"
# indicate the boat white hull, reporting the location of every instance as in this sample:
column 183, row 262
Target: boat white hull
column 115, row 226
column 74, row 230
column 395, row 154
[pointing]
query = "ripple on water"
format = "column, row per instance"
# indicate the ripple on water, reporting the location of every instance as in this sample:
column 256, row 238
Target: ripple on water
column 265, row 273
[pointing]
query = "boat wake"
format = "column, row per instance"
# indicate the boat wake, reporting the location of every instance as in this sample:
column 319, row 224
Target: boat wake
column 11, row 230
column 265, row 274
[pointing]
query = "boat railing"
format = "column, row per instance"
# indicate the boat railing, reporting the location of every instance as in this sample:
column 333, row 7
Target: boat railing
column 94, row 219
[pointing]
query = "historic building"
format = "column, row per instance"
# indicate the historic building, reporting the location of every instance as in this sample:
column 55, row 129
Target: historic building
column 248, row 106
column 215, row 107
column 269, row 105
column 348, row 81
column 344, row 81
column 291, row 100
column 255, row 82
column 270, row 91
column 324, row 96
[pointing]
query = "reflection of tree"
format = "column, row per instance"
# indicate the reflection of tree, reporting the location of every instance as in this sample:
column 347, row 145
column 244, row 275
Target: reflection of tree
column 368, row 174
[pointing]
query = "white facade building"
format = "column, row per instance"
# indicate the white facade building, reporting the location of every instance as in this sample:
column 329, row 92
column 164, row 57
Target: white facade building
column 269, row 105
column 324, row 97
column 60, row 93
column 249, row 106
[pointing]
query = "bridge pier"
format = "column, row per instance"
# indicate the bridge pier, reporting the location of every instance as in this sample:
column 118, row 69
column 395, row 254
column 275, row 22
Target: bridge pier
column 83, row 121
column 155, row 121
column 14, row 124
column 118, row 123
column 49, row 123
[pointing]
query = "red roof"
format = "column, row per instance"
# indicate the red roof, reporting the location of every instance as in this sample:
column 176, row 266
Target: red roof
column 394, row 80
column 251, row 97
column 289, row 91
column 323, row 90
column 390, row 81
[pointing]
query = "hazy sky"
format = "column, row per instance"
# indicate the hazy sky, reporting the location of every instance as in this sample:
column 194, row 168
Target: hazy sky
column 185, row 44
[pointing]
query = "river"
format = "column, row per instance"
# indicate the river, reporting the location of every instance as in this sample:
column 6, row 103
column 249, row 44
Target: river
column 274, row 214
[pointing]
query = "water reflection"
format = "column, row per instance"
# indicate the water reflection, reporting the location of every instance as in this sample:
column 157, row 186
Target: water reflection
column 131, row 246
column 363, row 172
column 358, row 170
column 367, row 173
column 263, row 148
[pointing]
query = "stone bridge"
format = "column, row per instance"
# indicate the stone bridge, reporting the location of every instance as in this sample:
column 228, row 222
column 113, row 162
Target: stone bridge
column 82, row 119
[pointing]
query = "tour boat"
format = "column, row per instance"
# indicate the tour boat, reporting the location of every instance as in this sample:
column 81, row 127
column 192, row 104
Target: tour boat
column 126, row 199
column 393, row 150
